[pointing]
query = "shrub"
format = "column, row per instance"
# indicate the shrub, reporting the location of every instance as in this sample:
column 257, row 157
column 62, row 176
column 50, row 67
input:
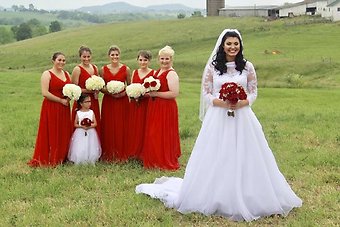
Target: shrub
column 294, row 80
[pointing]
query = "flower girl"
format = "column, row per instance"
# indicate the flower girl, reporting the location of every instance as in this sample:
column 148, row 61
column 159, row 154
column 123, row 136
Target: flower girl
column 85, row 145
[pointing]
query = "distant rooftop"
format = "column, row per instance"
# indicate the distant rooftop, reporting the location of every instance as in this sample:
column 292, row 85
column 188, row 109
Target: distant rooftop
column 301, row 3
column 253, row 7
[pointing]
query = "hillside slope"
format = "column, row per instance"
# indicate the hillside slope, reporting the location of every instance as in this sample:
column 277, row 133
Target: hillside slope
column 289, row 52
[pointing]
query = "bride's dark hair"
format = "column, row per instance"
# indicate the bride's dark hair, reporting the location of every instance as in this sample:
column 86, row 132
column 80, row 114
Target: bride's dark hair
column 220, row 60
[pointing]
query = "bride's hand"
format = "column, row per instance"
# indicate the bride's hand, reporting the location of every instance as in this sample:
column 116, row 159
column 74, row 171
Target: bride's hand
column 232, row 106
column 221, row 103
column 241, row 103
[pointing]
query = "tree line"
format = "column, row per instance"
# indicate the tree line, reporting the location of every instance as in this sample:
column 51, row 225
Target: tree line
column 27, row 30
column 22, row 29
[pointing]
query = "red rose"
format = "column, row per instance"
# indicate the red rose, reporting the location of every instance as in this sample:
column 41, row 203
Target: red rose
column 232, row 92
column 153, row 84
column 86, row 122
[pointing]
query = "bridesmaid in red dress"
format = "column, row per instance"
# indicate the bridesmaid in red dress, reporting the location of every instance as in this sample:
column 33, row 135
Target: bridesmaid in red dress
column 80, row 74
column 137, row 111
column 161, row 147
column 114, row 113
column 55, row 125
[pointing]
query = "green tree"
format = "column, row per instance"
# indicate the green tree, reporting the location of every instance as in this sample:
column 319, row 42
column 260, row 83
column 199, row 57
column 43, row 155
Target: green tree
column 31, row 7
column 37, row 28
column 33, row 22
column 181, row 16
column 5, row 36
column 14, row 29
column 24, row 32
column 22, row 8
column 55, row 26
column 197, row 14
column 15, row 8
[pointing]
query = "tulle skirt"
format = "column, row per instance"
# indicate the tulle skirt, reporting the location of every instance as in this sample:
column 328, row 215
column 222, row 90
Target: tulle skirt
column 84, row 146
column 231, row 172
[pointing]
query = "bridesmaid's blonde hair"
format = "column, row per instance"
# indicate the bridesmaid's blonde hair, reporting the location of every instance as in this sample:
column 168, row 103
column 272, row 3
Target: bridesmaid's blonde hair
column 166, row 50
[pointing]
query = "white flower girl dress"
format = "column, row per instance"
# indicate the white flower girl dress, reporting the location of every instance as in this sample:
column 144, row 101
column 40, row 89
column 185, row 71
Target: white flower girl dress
column 85, row 145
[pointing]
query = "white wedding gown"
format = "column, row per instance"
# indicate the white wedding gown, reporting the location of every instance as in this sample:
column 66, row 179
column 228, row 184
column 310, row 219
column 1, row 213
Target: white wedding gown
column 231, row 171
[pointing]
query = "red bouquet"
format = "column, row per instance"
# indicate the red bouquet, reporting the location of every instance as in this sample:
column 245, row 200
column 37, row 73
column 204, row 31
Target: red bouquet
column 86, row 122
column 151, row 84
column 232, row 92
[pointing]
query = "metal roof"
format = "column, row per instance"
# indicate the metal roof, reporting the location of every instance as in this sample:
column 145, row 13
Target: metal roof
column 333, row 3
column 252, row 7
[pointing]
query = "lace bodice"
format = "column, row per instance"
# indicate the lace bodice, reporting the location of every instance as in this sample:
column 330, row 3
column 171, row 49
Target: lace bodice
column 213, row 81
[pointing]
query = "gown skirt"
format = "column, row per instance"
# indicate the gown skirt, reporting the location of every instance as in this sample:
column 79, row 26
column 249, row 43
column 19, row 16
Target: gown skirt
column 113, row 128
column 55, row 128
column 136, row 126
column 113, row 124
column 137, row 120
column 84, row 146
column 161, row 147
column 231, row 172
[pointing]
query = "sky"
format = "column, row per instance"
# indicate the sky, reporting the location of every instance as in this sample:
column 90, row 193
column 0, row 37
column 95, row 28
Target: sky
column 74, row 4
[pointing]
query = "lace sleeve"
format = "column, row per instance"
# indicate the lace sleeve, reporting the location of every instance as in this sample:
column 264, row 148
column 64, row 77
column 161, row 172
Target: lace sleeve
column 251, row 83
column 207, row 97
column 207, row 88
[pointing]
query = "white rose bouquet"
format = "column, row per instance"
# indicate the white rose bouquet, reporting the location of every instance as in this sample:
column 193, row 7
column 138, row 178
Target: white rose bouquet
column 115, row 86
column 72, row 91
column 151, row 84
column 94, row 83
column 135, row 91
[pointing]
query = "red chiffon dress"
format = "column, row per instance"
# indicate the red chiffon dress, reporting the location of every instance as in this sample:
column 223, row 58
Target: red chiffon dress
column 161, row 148
column 84, row 75
column 137, row 119
column 55, row 128
column 114, row 120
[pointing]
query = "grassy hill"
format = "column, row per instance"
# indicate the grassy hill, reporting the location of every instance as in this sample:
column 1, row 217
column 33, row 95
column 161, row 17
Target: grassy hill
column 286, row 53
column 301, row 125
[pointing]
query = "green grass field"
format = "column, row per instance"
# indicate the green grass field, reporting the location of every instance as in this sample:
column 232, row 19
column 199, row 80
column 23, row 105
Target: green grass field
column 299, row 114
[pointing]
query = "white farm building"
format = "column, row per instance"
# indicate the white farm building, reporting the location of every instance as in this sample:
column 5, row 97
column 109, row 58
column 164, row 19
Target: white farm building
column 329, row 9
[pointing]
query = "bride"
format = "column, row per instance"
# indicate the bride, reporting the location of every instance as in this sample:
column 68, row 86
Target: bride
column 232, row 171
